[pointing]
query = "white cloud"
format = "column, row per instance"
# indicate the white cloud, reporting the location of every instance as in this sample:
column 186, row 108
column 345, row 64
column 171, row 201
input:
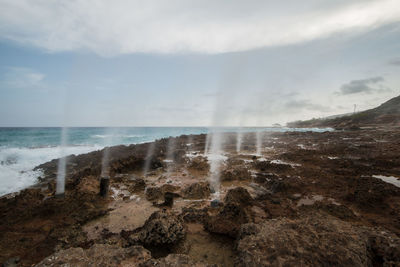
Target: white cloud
column 175, row 26
column 19, row 77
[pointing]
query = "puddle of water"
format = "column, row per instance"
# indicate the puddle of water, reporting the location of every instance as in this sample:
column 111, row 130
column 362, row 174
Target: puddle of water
column 277, row 161
column 332, row 157
column 388, row 179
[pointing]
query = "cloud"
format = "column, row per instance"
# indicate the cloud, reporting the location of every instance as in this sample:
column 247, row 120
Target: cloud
column 19, row 77
column 156, row 26
column 363, row 86
column 306, row 105
column 395, row 62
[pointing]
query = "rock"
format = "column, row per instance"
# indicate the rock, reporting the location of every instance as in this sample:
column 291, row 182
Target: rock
column 90, row 184
column 315, row 240
column 215, row 203
column 240, row 196
column 194, row 215
column 172, row 260
column 161, row 229
column 200, row 190
column 228, row 220
column 269, row 166
column 199, row 164
column 237, row 173
column 11, row 262
column 98, row 255
column 369, row 193
column 136, row 184
column 153, row 193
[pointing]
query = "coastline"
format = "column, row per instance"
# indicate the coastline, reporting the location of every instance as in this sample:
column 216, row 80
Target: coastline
column 321, row 182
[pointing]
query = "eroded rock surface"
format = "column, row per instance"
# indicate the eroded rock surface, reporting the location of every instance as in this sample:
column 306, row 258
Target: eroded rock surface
column 98, row 255
column 315, row 240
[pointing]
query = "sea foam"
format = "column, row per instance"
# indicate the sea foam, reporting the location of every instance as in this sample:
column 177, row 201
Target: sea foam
column 16, row 164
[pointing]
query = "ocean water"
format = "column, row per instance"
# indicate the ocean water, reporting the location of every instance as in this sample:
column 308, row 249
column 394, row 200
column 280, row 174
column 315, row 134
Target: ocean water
column 22, row 149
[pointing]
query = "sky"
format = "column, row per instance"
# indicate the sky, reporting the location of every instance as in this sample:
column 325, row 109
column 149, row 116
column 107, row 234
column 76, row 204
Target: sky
column 194, row 63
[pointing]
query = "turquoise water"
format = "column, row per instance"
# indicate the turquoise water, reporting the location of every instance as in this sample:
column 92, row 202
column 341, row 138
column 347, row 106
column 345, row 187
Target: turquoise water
column 21, row 149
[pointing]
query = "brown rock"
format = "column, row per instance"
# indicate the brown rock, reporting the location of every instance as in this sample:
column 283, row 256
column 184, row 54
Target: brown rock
column 199, row 190
column 228, row 220
column 316, row 240
column 237, row 173
column 172, row 260
column 98, row 255
column 240, row 196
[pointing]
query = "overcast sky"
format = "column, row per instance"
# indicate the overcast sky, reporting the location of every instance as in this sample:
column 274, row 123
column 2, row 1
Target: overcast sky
column 194, row 63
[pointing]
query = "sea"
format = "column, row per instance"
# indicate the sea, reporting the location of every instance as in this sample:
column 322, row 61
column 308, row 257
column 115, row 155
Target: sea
column 22, row 149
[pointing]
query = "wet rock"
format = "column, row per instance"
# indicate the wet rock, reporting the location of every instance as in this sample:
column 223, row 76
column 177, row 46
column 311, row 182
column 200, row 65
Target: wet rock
column 316, row 240
column 228, row 220
column 89, row 185
column 98, row 255
column 240, row 196
column 161, row 229
column 170, row 188
column 11, row 262
column 215, row 203
column 200, row 190
column 135, row 184
column 194, row 215
column 262, row 177
column 237, row 173
column 370, row 193
column 269, row 166
column 153, row 193
column 172, row 260
column 199, row 164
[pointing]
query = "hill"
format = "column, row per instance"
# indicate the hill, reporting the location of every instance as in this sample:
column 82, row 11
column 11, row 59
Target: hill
column 387, row 113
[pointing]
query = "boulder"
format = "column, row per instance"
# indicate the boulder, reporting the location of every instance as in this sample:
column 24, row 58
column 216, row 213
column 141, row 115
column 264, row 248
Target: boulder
column 199, row 164
column 228, row 220
column 153, row 193
column 162, row 228
column 240, row 196
column 236, row 173
column 198, row 190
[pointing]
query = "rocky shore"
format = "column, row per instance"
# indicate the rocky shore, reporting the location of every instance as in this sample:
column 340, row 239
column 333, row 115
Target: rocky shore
column 310, row 199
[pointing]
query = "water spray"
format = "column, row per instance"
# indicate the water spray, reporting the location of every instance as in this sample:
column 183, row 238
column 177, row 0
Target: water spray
column 62, row 165
column 149, row 156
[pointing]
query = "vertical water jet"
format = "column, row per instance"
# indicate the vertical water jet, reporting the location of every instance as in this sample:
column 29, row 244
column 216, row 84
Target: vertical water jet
column 208, row 141
column 149, row 157
column 239, row 136
column 215, row 158
column 258, row 142
column 62, row 164
column 170, row 159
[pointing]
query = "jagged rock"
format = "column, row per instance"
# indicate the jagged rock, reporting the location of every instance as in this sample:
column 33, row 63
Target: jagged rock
column 199, row 164
column 370, row 193
column 153, row 193
column 228, row 220
column 162, row 228
column 172, row 260
column 90, row 184
column 199, row 190
column 194, row 215
column 98, row 255
column 158, row 192
column 238, row 173
column 240, row 196
column 315, row 240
